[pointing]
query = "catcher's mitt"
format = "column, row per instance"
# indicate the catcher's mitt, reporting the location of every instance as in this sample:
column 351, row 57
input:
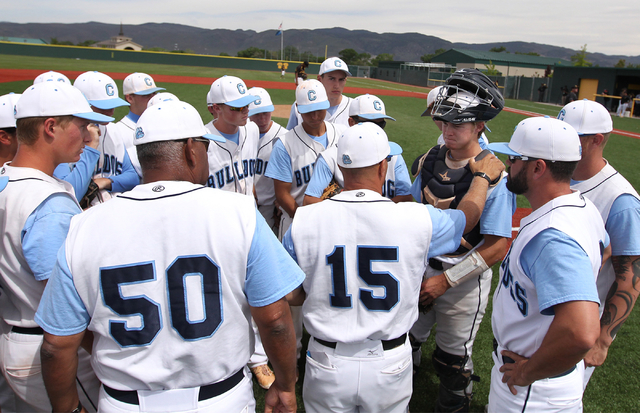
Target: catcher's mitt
column 331, row 190
column 92, row 192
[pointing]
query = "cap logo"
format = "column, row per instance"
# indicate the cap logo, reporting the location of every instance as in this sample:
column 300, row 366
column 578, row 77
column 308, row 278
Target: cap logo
column 158, row 188
column 338, row 63
column 360, row 194
column 241, row 89
column 377, row 105
column 148, row 81
column 312, row 95
column 258, row 102
column 15, row 110
column 139, row 133
column 346, row 160
column 109, row 89
column 562, row 114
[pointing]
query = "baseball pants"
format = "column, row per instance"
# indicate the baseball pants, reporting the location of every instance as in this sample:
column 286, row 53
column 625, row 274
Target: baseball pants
column 561, row 394
column 268, row 212
column 360, row 377
column 237, row 400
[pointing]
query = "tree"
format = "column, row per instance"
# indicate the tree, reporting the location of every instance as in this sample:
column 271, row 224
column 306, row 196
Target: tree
column 351, row 57
column 224, row 54
column 498, row 49
column 54, row 40
column 251, row 52
column 580, row 58
column 491, row 69
column 382, row 57
column 621, row 63
column 87, row 43
column 528, row 53
column 428, row 57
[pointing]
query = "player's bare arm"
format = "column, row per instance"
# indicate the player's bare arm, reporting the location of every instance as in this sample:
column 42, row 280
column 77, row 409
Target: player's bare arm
column 620, row 301
column 278, row 338
column 284, row 198
column 491, row 252
column 308, row 200
column 59, row 356
column 296, row 297
column 571, row 335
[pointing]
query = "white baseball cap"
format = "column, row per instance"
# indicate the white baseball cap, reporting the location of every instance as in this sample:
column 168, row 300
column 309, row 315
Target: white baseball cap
column 368, row 107
column 51, row 76
column 311, row 96
column 100, row 90
column 170, row 121
column 263, row 104
column 431, row 98
column 363, row 145
column 209, row 101
column 139, row 84
column 542, row 138
column 332, row 64
column 231, row 91
column 7, row 107
column 161, row 97
column 56, row 99
column 587, row 117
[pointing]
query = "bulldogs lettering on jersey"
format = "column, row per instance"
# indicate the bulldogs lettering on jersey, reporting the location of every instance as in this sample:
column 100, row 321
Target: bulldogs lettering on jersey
column 112, row 153
column 264, row 185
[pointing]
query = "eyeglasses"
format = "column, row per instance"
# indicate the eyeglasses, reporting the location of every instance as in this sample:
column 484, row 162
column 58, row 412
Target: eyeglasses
column 388, row 158
column 513, row 158
column 234, row 109
column 203, row 140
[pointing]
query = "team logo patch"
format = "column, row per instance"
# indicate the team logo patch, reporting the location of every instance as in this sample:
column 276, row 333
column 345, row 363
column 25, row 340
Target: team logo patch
column 258, row 102
column 338, row 63
column 158, row 188
column 139, row 133
column 377, row 105
column 109, row 89
column 312, row 95
column 562, row 114
column 444, row 177
column 360, row 194
column 241, row 89
column 346, row 160
column 148, row 81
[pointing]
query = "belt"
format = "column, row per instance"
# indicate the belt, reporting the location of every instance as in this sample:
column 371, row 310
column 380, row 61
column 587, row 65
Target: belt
column 33, row 331
column 435, row 264
column 386, row 344
column 206, row 392
column 509, row 360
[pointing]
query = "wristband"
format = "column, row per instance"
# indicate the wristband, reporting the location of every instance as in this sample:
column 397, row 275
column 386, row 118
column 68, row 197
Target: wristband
column 483, row 175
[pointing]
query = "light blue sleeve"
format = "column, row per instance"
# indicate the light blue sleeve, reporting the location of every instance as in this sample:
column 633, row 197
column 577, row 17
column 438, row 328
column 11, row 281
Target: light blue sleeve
column 128, row 179
column 79, row 175
column 498, row 210
column 448, row 226
column 293, row 119
column 321, row 177
column 416, row 191
column 623, row 226
column 279, row 166
column 559, row 268
column 61, row 311
column 287, row 243
column 403, row 182
column 271, row 272
column 44, row 233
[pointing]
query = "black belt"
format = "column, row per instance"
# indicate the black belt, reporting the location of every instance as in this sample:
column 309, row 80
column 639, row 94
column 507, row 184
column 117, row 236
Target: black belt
column 386, row 344
column 435, row 264
column 33, row 331
column 206, row 392
column 509, row 360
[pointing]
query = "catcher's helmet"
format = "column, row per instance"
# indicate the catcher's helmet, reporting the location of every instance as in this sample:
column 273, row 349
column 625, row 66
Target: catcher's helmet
column 468, row 96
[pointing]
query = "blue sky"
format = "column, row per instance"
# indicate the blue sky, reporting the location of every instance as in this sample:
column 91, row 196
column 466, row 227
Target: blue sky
column 609, row 27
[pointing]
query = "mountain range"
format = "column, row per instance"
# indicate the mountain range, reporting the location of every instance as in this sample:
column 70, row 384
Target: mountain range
column 403, row 46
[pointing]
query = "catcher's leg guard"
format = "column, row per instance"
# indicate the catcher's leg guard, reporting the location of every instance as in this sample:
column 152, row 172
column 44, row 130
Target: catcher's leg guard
column 454, row 381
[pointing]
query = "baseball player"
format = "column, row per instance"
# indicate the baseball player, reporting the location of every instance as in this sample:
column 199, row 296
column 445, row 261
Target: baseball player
column 458, row 283
column 397, row 186
column 232, row 163
column 171, row 320
column 545, row 308
column 618, row 204
column 115, row 171
column 35, row 211
column 364, row 257
column 260, row 113
column 51, row 76
column 138, row 89
column 333, row 76
column 301, row 75
column 294, row 155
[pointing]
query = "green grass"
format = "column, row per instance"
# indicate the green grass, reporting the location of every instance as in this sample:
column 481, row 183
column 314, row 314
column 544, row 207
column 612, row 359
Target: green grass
column 613, row 387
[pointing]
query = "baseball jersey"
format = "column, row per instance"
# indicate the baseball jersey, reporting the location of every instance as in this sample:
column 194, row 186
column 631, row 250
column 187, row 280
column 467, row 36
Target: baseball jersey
column 168, row 296
column 338, row 114
column 264, row 185
column 232, row 165
column 24, row 267
column 114, row 162
column 364, row 257
column 124, row 130
column 79, row 174
column 606, row 189
column 554, row 259
column 303, row 151
column 397, row 181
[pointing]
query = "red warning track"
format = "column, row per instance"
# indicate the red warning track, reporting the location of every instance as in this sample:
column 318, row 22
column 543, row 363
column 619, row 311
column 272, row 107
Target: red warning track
column 14, row 75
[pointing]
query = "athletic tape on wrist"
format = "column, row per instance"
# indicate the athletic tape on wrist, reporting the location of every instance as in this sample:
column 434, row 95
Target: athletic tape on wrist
column 470, row 267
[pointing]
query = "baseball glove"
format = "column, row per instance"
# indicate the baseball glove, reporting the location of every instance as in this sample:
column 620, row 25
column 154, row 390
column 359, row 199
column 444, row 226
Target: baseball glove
column 331, row 190
column 92, row 192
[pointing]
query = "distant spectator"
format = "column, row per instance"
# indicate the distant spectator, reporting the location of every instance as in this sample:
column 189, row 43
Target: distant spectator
column 624, row 103
column 573, row 95
column 541, row 90
column 565, row 91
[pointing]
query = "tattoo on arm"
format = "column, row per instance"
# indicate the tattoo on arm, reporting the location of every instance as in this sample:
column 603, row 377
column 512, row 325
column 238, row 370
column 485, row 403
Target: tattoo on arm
column 620, row 301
